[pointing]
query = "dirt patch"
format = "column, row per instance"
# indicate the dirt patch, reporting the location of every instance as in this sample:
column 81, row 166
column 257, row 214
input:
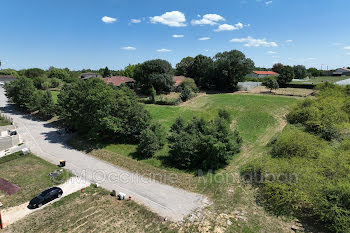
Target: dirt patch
column 296, row 92
column 8, row 187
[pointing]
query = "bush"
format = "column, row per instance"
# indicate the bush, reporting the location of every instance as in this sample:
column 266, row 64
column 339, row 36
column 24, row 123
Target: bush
column 270, row 83
column 295, row 143
column 34, row 73
column 186, row 94
column 59, row 74
column 201, row 144
column 189, row 83
column 152, row 139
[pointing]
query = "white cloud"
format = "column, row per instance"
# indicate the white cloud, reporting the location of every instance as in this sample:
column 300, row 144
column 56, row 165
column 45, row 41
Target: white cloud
column 228, row 27
column 163, row 50
column 347, row 53
column 268, row 2
column 337, row 44
column 271, row 52
column 347, row 48
column 107, row 19
column 128, row 48
column 208, row 19
column 178, row 36
column 172, row 19
column 135, row 21
column 251, row 42
column 204, row 38
column 207, row 50
column 311, row 58
column 289, row 41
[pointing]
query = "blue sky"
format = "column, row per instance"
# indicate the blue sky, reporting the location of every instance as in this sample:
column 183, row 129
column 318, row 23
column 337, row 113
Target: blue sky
column 97, row 33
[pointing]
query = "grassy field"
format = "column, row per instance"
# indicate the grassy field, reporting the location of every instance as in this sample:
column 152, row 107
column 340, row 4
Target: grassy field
column 55, row 96
column 92, row 211
column 28, row 172
column 322, row 79
column 258, row 118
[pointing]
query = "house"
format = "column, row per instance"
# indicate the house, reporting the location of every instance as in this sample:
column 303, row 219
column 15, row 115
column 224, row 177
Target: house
column 7, row 78
column 118, row 80
column 90, row 75
column 178, row 80
column 341, row 72
column 262, row 74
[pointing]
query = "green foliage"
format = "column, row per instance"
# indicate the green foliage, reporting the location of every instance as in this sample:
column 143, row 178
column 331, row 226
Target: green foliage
column 202, row 144
column 152, row 140
column 200, row 70
column 186, row 94
column 295, row 143
column 224, row 114
column 47, row 106
column 106, row 72
column 61, row 74
column 21, row 91
column 286, row 75
column 157, row 73
column 184, row 66
column 230, row 68
column 277, row 68
column 314, row 72
column 102, row 112
column 34, row 73
column 153, row 95
column 129, row 71
column 190, row 83
column 55, row 82
column 9, row 72
column 300, row 71
column 271, row 83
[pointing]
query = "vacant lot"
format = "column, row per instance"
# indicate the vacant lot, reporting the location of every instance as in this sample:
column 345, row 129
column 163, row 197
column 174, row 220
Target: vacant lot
column 28, row 172
column 258, row 119
column 92, row 211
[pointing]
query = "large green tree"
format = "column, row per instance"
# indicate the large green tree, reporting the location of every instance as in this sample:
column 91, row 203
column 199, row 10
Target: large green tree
column 102, row 112
column 277, row 67
column 286, row 76
column 184, row 66
column 201, row 71
column 157, row 73
column 59, row 74
column 300, row 71
column 129, row 71
column 34, row 73
column 230, row 68
column 21, row 92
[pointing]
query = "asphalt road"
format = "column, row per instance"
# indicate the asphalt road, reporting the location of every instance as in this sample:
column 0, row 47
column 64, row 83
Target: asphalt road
column 43, row 140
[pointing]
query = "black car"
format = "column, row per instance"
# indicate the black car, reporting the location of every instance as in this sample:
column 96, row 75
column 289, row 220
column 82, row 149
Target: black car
column 45, row 197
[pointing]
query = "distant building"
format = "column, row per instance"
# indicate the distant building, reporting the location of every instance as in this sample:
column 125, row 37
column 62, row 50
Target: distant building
column 341, row 72
column 90, row 75
column 7, row 78
column 118, row 80
column 262, row 74
column 178, row 80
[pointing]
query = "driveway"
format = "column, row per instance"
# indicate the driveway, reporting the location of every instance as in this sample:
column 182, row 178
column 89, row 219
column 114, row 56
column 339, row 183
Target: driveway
column 42, row 139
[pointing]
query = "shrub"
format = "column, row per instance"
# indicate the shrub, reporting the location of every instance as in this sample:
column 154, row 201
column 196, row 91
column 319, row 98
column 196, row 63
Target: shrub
column 295, row 143
column 186, row 94
column 189, row 83
column 271, row 84
column 59, row 74
column 152, row 139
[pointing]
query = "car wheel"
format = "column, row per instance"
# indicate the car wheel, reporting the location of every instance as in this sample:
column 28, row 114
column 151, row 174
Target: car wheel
column 40, row 205
column 59, row 195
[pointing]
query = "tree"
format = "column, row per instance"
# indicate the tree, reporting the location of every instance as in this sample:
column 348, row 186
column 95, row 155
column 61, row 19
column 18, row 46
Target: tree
column 286, row 76
column 157, row 73
column 314, row 72
column 129, row 71
column 99, row 111
column 59, row 74
column 300, row 71
column 46, row 105
column 21, row 91
column 183, row 67
column 230, row 68
column 9, row 72
column 152, row 140
column 186, row 94
column 34, row 73
column 277, row 67
column 106, row 72
column 271, row 83
column 190, row 83
column 200, row 71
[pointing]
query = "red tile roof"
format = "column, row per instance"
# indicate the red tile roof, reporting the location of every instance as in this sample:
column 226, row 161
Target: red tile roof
column 118, row 80
column 265, row 72
column 178, row 80
column 7, row 76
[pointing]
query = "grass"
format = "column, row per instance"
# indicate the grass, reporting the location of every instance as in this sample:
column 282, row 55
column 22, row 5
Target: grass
column 55, row 96
column 322, row 79
column 28, row 172
column 258, row 118
column 92, row 211
column 4, row 121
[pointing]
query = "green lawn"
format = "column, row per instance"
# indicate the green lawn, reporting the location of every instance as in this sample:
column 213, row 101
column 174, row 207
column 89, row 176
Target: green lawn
column 322, row 79
column 28, row 172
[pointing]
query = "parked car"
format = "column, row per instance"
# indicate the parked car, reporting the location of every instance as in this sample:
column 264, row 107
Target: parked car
column 45, row 197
